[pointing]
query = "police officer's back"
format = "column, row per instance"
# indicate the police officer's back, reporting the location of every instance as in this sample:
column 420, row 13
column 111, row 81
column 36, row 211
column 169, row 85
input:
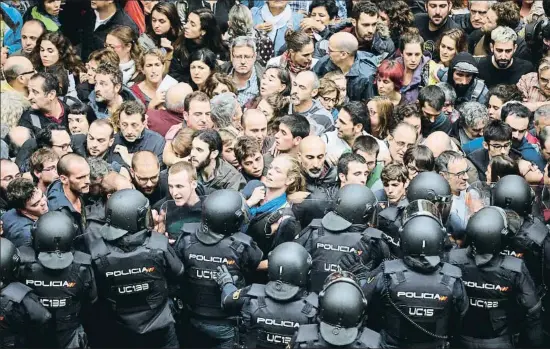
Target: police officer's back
column 272, row 313
column 61, row 277
column 133, row 267
column 21, row 314
column 419, row 299
column 342, row 307
column 531, row 241
column 339, row 232
column 204, row 246
column 500, row 289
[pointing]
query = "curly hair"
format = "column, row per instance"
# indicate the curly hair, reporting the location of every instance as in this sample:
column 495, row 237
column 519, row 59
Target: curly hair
column 507, row 14
column 67, row 54
column 219, row 78
column 104, row 55
column 400, row 15
column 280, row 105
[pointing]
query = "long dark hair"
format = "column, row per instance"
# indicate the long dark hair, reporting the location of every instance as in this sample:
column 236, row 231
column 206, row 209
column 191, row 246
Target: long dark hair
column 171, row 12
column 207, row 57
column 67, row 54
column 212, row 38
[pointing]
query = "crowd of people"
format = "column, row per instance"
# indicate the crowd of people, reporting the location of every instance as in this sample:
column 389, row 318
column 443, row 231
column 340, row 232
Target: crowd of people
column 169, row 160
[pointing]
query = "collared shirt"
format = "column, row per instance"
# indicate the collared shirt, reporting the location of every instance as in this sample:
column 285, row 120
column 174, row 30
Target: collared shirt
column 99, row 22
column 250, row 90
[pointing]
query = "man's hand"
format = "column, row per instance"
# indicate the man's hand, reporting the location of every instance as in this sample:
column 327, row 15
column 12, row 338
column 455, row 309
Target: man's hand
column 123, row 152
column 224, row 276
column 310, row 23
column 159, row 220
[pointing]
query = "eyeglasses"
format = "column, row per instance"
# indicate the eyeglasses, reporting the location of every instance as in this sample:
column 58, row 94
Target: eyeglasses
column 28, row 72
column 329, row 50
column 145, row 180
column 500, row 146
column 62, row 146
column 328, row 99
column 402, row 145
column 414, row 169
column 113, row 47
column 460, row 174
column 243, row 58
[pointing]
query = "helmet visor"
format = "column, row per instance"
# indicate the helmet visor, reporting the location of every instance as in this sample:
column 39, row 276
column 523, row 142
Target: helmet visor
column 422, row 208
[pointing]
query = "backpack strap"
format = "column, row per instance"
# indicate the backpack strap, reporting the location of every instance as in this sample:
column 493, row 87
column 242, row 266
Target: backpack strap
column 478, row 89
column 512, row 263
column 35, row 120
column 16, row 291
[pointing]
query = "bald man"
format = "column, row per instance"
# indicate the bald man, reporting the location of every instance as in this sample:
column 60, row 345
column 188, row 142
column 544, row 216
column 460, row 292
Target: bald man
column 30, row 32
column 321, row 180
column 67, row 192
column 145, row 173
column 302, row 95
column 95, row 213
column 359, row 67
column 17, row 72
column 439, row 141
column 254, row 124
column 160, row 120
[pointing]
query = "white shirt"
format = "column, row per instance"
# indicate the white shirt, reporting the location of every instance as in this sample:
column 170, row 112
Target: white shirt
column 99, row 22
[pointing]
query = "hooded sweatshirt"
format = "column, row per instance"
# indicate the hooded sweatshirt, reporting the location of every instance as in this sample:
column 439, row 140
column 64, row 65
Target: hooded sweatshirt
column 476, row 90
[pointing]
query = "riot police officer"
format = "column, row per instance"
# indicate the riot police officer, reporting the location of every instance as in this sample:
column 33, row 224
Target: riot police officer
column 272, row 313
column 133, row 265
column 342, row 308
column 61, row 277
column 204, row 246
column 21, row 314
column 420, row 298
column 497, row 286
column 529, row 238
column 338, row 233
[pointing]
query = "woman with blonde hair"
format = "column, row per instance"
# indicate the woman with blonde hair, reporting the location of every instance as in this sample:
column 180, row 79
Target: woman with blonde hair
column 124, row 41
column 380, row 113
column 272, row 221
column 151, row 69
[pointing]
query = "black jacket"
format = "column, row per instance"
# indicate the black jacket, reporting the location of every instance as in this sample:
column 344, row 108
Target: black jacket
column 27, row 119
column 480, row 159
column 95, row 39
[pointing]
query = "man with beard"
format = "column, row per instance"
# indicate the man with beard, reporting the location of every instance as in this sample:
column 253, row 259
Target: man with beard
column 462, row 76
column 27, row 204
column 474, row 118
column 212, row 170
column 108, row 93
column 304, row 90
column 434, row 22
column 430, row 101
column 321, row 180
column 133, row 135
column 99, row 141
column 147, row 177
column 66, row 193
column 46, row 107
column 44, row 168
column 8, row 172
column 517, row 116
column 501, row 67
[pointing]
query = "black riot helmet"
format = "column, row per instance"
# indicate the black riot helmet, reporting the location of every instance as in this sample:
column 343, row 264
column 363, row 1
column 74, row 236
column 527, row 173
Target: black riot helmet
column 127, row 212
column 9, row 261
column 485, row 231
column 342, row 307
column 354, row 204
column 223, row 214
column 429, row 186
column 423, row 236
column 512, row 192
column 53, row 235
column 288, row 270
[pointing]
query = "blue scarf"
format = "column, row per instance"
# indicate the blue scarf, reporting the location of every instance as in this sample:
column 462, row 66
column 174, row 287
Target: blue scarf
column 269, row 206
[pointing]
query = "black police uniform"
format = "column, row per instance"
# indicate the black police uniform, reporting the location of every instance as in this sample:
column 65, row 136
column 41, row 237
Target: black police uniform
column 22, row 317
column 500, row 293
column 342, row 307
column 200, row 291
column 203, row 247
column 133, row 267
column 62, row 279
column 338, row 233
column 422, row 300
column 531, row 242
column 132, row 279
column 63, row 292
column 272, row 313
